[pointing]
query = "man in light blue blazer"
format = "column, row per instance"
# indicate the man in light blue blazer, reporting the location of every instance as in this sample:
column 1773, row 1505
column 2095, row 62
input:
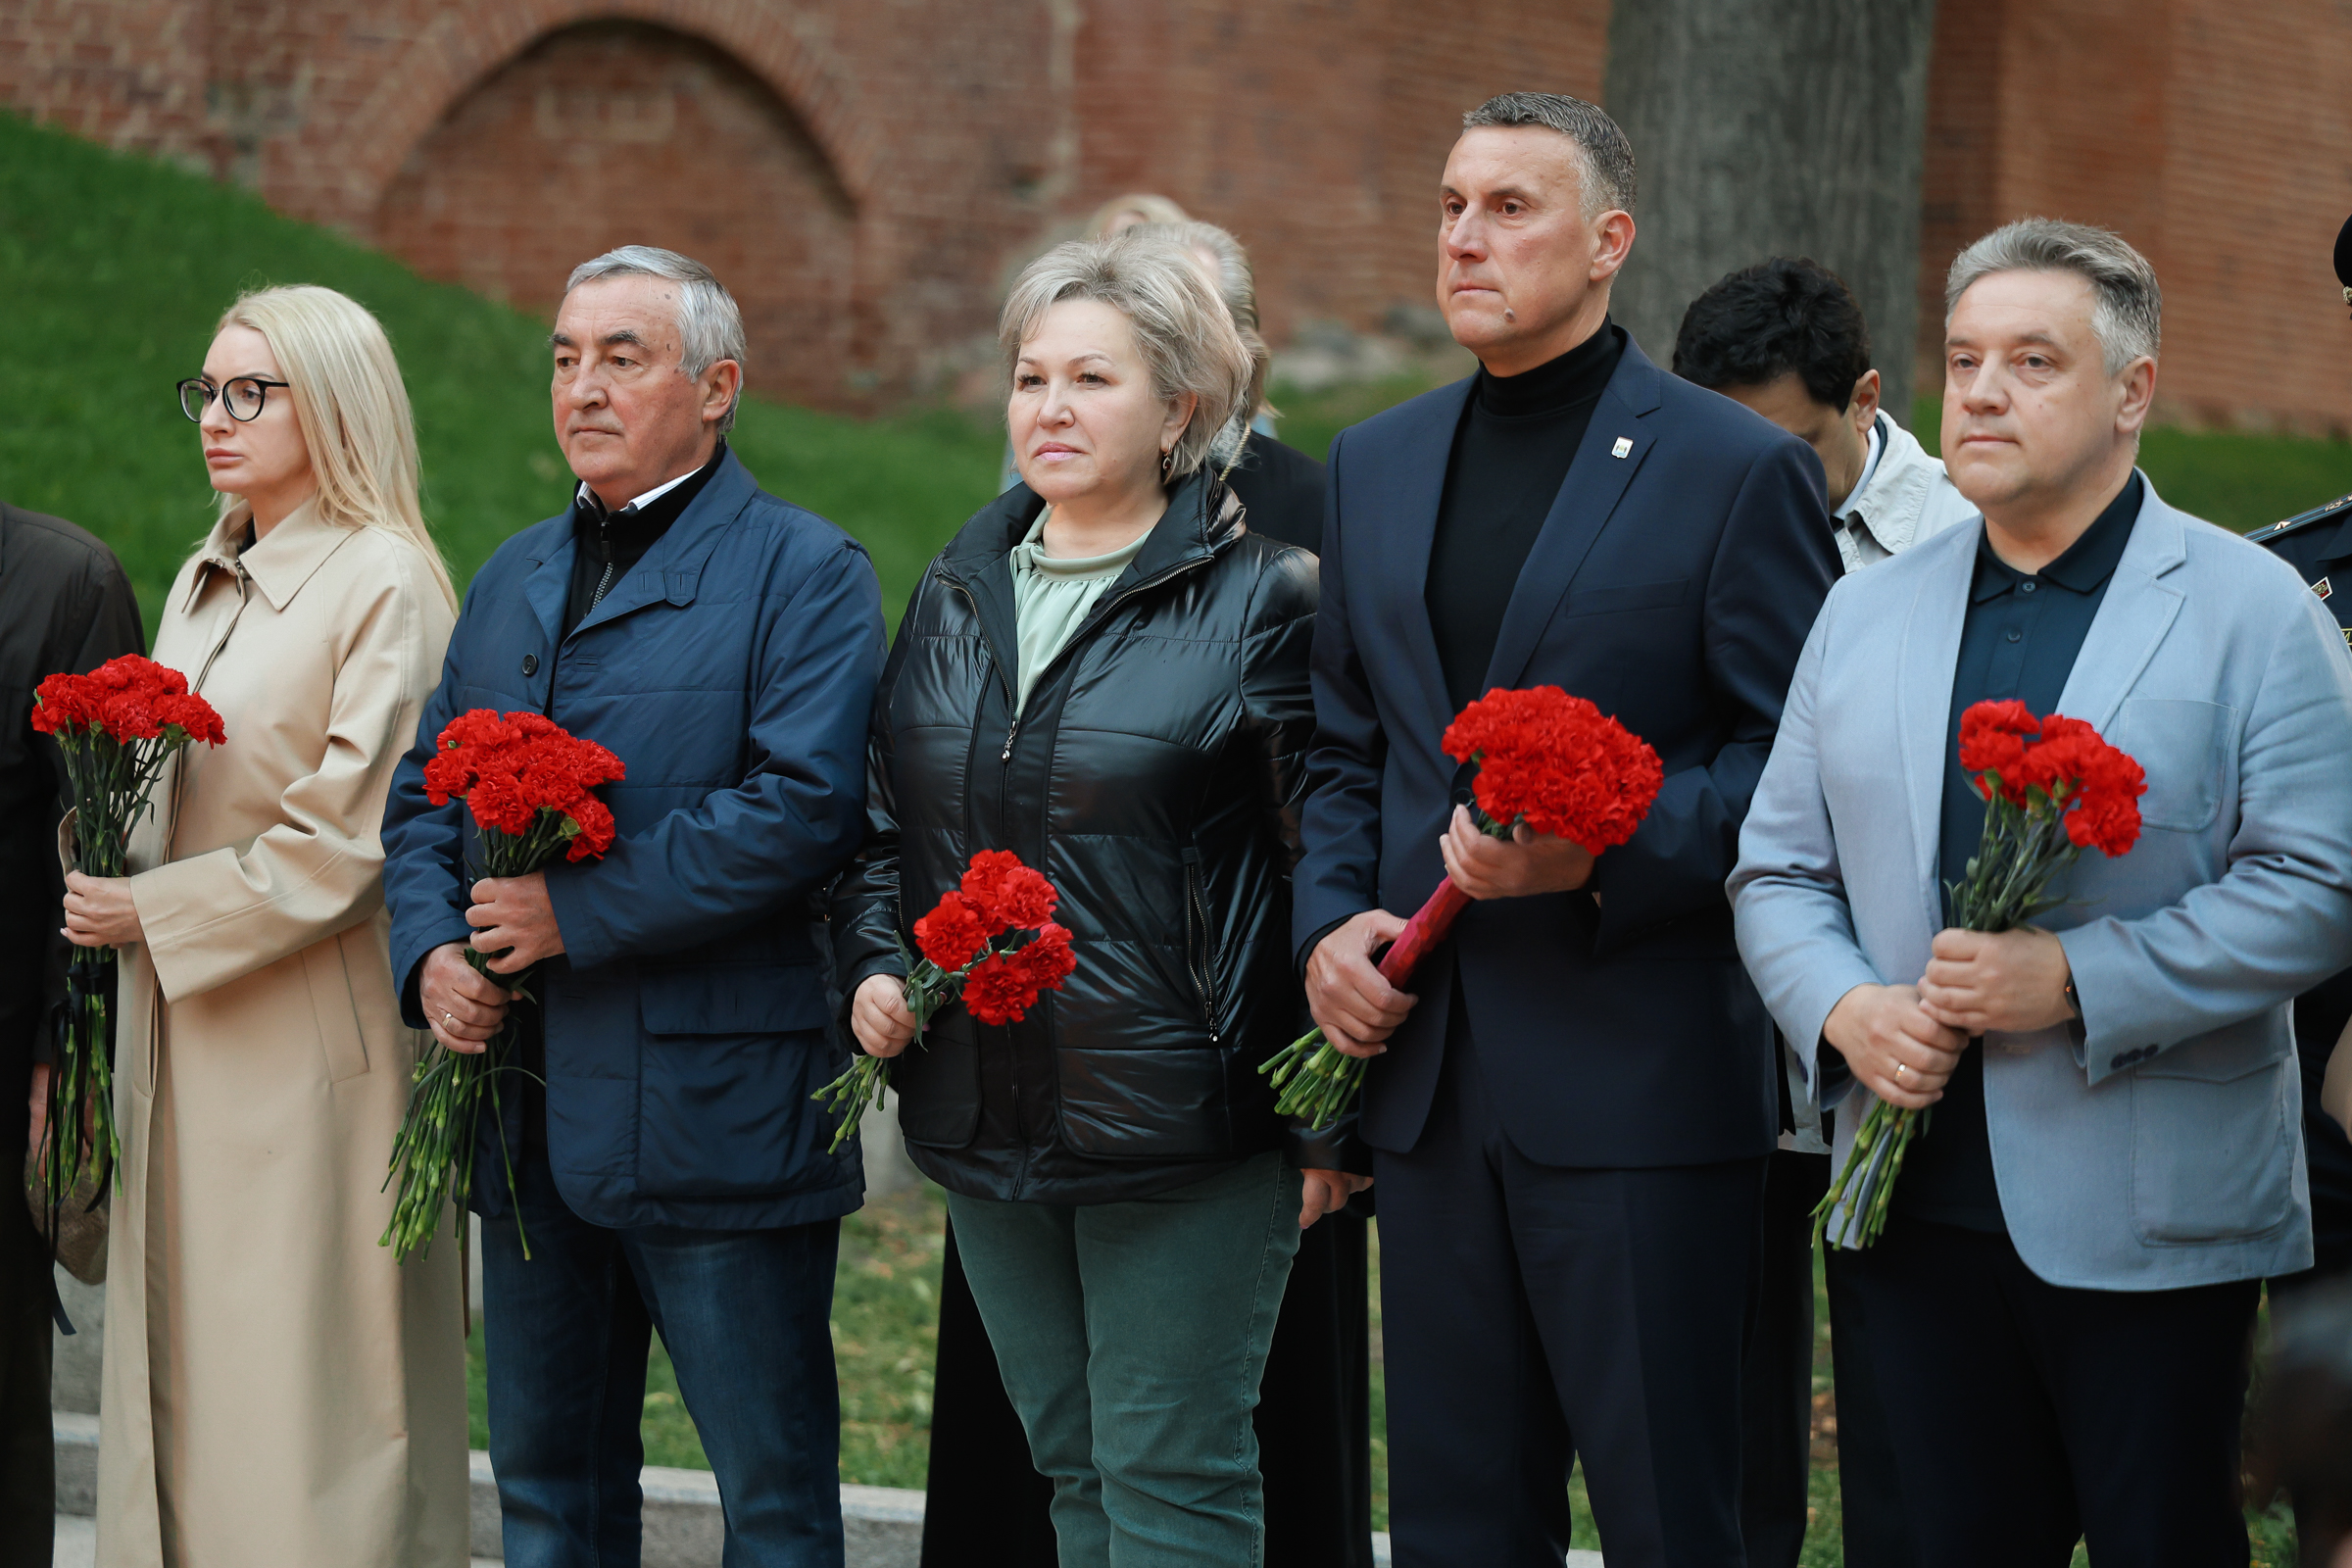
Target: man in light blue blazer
column 2060, row 1303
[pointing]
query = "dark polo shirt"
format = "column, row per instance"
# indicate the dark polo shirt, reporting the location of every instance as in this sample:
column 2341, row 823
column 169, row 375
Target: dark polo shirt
column 2020, row 640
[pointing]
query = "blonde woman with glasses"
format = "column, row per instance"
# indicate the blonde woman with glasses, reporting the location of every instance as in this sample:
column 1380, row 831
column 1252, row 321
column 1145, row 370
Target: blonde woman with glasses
column 276, row 1389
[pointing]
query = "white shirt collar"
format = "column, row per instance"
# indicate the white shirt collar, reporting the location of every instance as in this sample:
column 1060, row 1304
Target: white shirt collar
column 584, row 493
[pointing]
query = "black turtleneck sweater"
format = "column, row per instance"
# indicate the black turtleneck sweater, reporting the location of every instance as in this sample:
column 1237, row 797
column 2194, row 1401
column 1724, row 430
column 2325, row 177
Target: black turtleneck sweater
column 1511, row 452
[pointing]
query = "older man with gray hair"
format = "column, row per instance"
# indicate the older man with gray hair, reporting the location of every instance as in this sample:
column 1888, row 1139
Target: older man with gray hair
column 2059, row 1305
column 668, row 1169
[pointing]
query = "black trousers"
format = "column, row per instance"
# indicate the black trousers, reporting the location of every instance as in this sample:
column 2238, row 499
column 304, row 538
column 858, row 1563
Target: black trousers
column 2024, row 1415
column 1534, row 1316
column 1777, row 1397
column 28, row 1447
column 1313, row 1423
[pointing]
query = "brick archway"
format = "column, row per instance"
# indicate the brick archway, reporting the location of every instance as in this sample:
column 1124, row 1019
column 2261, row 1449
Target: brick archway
column 465, row 44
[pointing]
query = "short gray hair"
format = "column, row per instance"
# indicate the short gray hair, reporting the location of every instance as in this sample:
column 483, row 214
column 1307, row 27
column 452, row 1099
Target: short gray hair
column 1607, row 156
column 2127, row 309
column 1237, row 285
column 710, row 324
column 1186, row 336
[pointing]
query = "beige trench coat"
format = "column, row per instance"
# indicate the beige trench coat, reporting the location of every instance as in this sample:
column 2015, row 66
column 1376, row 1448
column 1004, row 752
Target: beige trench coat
column 277, row 1391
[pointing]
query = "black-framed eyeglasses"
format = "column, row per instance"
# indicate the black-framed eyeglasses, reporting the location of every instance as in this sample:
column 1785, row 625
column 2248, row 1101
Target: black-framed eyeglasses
column 244, row 396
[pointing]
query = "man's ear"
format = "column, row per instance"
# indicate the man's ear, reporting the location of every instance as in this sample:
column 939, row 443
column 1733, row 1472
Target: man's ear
column 1863, row 403
column 722, row 385
column 2140, row 395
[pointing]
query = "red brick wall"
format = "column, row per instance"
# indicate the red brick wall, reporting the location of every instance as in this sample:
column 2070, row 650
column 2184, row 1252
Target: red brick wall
column 869, row 176
column 2214, row 136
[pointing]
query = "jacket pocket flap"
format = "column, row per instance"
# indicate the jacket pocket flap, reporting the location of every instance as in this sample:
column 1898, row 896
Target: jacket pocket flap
column 732, row 999
column 1603, row 599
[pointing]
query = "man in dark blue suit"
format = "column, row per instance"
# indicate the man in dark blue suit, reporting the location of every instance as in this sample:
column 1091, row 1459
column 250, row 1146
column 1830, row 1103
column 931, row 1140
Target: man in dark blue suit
column 672, row 1173
column 1572, row 1111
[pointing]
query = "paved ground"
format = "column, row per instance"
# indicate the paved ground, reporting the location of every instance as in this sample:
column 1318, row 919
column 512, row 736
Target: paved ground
column 78, row 1543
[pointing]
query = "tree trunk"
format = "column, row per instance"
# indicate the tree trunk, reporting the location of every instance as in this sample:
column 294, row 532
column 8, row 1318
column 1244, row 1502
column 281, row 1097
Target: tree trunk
column 1774, row 128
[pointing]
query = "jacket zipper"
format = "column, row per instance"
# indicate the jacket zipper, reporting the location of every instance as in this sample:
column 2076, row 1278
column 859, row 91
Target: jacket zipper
column 1205, row 971
column 1101, row 614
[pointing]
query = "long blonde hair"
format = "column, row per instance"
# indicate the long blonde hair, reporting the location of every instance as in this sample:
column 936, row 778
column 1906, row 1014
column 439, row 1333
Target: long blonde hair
column 351, row 408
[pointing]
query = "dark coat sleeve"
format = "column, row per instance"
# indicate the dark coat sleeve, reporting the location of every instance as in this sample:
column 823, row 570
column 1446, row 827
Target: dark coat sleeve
column 1773, row 565
column 781, row 833
column 865, row 913
column 1338, row 873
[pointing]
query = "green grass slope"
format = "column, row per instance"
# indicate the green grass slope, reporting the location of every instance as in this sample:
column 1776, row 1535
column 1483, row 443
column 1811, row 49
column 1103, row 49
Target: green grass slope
column 113, row 270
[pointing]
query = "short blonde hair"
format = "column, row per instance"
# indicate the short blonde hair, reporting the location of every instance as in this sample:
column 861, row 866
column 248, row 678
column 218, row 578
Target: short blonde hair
column 352, row 409
column 1182, row 330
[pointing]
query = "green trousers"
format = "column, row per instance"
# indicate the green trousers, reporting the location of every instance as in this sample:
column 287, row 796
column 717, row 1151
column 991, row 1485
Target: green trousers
column 1131, row 1336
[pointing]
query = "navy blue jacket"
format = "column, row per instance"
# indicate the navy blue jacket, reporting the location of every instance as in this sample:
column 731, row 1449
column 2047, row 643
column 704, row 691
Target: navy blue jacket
column 732, row 671
column 1672, row 583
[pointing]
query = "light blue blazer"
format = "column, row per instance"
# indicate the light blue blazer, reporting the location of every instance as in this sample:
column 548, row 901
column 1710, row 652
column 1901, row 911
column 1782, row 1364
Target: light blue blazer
column 2166, row 1149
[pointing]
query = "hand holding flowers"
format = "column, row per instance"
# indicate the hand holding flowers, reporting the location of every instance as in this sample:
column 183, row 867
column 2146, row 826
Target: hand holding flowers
column 960, row 961
column 117, row 727
column 1559, row 782
column 2052, row 789
column 530, row 785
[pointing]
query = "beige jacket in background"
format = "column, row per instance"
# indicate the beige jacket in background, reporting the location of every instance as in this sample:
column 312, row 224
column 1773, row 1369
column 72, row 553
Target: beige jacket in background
column 277, row 1391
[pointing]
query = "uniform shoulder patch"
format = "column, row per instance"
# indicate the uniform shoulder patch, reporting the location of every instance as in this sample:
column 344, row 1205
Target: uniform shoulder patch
column 2333, row 509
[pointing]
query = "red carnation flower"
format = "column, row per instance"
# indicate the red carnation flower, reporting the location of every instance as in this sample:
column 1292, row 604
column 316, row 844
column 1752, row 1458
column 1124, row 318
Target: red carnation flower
column 1007, row 892
column 999, row 990
column 1557, row 763
column 1047, row 961
column 953, row 933
column 594, row 821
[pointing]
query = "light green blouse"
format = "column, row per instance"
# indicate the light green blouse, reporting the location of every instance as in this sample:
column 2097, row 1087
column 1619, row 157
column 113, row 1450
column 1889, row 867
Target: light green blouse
column 1051, row 596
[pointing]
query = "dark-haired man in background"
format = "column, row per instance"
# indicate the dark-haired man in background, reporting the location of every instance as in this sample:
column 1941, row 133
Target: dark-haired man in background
column 1570, row 1125
column 1787, row 338
column 65, row 605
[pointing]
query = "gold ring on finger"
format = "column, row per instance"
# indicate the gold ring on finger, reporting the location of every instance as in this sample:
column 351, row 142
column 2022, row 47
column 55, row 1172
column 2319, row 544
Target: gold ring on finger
column 1900, row 1068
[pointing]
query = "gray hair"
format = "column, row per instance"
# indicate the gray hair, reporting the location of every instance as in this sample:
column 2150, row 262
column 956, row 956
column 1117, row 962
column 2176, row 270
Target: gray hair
column 2127, row 309
column 1608, row 157
column 710, row 324
column 1186, row 336
column 1237, row 285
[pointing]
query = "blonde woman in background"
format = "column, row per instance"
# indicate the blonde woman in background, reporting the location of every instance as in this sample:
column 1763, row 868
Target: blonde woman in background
column 277, row 1389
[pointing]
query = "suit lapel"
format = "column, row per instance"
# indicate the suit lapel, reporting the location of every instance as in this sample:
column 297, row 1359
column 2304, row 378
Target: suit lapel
column 2132, row 618
column 1606, row 461
column 1923, row 673
column 1408, row 480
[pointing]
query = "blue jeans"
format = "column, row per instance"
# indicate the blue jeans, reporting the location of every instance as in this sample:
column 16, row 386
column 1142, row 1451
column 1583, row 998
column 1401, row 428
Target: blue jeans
column 744, row 1314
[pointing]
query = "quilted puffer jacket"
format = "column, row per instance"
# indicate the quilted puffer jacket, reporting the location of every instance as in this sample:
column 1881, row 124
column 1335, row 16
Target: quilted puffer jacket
column 1155, row 777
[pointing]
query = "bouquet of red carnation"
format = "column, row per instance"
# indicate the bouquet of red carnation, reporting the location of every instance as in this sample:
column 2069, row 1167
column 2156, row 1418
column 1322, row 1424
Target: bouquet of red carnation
column 1551, row 760
column 999, row 896
column 118, row 726
column 530, row 786
column 2052, row 789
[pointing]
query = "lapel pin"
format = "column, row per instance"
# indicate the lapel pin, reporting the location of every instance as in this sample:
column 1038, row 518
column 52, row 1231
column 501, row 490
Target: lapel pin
column 2321, row 588
column 1625, row 444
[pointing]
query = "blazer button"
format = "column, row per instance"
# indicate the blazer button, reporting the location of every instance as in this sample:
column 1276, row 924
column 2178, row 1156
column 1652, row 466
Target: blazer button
column 530, row 665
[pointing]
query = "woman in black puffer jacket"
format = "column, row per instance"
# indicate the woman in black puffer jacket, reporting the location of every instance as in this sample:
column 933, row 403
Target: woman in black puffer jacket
column 1105, row 672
